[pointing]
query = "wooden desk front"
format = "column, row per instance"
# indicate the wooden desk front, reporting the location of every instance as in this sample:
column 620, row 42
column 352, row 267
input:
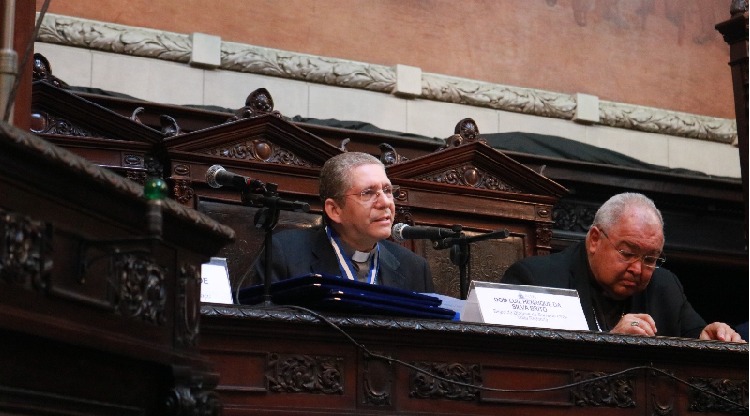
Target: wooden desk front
column 284, row 361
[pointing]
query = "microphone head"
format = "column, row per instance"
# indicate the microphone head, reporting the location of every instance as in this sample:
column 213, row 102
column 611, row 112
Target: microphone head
column 211, row 176
column 396, row 231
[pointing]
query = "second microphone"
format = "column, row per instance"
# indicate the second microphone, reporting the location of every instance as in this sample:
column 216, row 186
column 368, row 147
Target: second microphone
column 401, row 232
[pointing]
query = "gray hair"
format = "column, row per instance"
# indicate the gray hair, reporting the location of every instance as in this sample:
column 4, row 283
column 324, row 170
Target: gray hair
column 611, row 211
column 335, row 178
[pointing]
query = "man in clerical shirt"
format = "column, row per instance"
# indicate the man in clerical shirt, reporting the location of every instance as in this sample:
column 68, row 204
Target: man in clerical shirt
column 359, row 208
column 617, row 273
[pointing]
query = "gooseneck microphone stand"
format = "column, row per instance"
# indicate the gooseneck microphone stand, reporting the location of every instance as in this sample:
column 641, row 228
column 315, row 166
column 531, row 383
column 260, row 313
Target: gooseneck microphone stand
column 461, row 254
column 266, row 218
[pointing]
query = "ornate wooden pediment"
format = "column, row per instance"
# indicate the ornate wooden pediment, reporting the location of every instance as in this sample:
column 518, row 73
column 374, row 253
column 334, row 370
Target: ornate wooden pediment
column 58, row 112
column 266, row 138
column 476, row 166
column 256, row 144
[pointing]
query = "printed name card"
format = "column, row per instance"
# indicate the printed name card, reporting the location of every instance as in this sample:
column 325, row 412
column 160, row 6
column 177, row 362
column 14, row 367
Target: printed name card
column 520, row 305
column 215, row 281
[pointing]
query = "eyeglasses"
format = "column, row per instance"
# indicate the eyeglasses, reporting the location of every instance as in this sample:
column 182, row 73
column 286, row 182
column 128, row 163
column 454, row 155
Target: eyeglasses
column 370, row 195
column 628, row 257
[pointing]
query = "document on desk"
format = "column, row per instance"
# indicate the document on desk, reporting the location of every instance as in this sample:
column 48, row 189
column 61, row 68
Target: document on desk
column 521, row 305
column 215, row 281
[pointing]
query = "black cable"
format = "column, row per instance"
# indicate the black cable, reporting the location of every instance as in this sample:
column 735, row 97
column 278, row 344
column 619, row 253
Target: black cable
column 561, row 387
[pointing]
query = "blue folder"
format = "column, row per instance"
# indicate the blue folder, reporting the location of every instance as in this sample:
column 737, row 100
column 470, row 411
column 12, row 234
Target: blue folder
column 336, row 294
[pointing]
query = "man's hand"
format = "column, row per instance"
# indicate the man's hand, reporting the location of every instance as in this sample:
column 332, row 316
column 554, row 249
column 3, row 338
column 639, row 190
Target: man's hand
column 721, row 332
column 635, row 324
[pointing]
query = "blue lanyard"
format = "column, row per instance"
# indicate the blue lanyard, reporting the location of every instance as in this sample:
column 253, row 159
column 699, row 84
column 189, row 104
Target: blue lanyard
column 345, row 264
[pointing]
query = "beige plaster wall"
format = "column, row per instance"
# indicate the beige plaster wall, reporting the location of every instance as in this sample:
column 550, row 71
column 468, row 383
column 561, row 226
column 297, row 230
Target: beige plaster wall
column 657, row 53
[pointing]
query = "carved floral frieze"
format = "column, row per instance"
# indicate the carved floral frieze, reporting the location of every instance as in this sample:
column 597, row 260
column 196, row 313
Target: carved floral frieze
column 298, row 373
column 606, row 392
column 470, row 176
column 718, row 395
column 259, row 150
column 424, row 385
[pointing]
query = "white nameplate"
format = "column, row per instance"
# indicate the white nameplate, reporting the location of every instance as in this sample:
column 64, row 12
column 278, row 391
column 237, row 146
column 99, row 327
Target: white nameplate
column 521, row 305
column 215, row 281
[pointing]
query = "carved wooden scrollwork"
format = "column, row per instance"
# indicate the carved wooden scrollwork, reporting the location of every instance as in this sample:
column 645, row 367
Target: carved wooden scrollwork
column 191, row 395
column 24, row 253
column 424, row 386
column 139, row 287
column 304, row 374
column 735, row 391
column 45, row 123
column 608, row 392
column 470, row 176
column 169, row 126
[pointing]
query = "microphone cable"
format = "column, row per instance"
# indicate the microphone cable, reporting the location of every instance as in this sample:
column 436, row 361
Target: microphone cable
column 391, row 360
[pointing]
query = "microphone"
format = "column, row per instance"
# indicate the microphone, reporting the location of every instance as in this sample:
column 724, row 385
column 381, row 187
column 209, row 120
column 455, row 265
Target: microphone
column 217, row 176
column 401, row 232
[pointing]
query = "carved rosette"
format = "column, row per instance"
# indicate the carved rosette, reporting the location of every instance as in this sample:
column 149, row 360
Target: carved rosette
column 608, row 392
column 23, row 252
column 260, row 150
column 425, row 386
column 183, row 191
column 703, row 395
column 304, row 374
column 469, row 176
column 140, row 291
column 188, row 305
column 543, row 235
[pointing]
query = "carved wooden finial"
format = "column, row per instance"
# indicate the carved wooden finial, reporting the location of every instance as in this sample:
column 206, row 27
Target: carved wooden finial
column 258, row 103
column 343, row 144
column 134, row 116
column 389, row 155
column 42, row 71
column 169, row 126
column 466, row 131
column 738, row 7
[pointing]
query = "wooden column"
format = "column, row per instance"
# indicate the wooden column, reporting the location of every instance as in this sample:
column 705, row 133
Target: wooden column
column 22, row 32
column 735, row 31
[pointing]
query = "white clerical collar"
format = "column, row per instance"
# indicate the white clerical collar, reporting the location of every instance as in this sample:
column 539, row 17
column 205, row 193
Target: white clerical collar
column 345, row 262
column 361, row 256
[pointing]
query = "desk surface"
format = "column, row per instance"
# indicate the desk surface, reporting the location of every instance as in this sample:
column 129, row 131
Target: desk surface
column 283, row 360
